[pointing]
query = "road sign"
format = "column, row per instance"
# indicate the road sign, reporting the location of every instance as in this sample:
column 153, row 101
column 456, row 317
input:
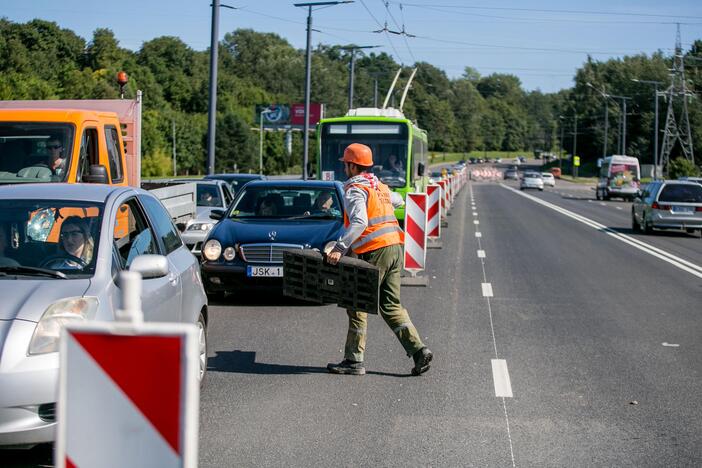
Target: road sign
column 576, row 161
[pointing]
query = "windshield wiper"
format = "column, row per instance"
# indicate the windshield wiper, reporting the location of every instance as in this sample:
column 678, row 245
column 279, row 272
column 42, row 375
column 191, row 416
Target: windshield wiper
column 32, row 271
column 316, row 215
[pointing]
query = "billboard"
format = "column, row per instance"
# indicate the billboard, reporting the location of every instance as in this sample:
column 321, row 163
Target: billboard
column 274, row 115
column 297, row 114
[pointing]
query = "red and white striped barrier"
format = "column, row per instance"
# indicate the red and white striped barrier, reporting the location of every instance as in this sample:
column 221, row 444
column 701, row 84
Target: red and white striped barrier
column 433, row 211
column 415, row 232
column 128, row 394
column 445, row 204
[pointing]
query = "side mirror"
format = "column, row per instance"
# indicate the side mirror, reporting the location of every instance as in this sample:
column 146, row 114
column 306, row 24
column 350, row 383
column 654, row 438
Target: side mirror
column 217, row 214
column 97, row 175
column 150, row 266
column 420, row 169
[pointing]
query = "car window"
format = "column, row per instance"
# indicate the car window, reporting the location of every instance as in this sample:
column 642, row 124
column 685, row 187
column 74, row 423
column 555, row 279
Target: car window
column 113, row 153
column 208, row 196
column 162, row 224
column 681, row 193
column 283, row 202
column 227, row 195
column 88, row 154
column 132, row 234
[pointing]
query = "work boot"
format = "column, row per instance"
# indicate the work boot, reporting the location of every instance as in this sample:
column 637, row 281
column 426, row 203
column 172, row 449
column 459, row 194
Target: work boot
column 347, row 367
column 422, row 358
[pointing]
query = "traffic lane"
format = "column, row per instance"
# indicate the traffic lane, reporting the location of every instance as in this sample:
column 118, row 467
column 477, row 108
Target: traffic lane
column 268, row 399
column 576, row 319
column 616, row 214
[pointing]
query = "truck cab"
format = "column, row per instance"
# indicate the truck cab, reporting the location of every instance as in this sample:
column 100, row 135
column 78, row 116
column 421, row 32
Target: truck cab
column 61, row 145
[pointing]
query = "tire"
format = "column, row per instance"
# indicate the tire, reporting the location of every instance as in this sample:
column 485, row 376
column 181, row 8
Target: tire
column 202, row 348
column 645, row 226
column 634, row 224
column 597, row 194
column 541, row 190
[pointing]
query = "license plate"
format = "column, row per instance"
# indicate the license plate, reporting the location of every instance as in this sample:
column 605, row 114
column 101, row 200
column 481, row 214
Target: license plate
column 264, row 271
column 683, row 209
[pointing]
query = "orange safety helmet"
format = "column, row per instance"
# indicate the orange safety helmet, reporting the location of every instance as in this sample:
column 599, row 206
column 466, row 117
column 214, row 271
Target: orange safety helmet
column 358, row 153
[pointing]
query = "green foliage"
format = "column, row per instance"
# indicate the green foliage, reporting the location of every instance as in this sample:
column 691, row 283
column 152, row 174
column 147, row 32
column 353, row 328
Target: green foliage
column 40, row 60
column 682, row 167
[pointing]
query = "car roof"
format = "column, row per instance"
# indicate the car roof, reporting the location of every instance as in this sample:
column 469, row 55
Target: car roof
column 236, row 176
column 60, row 191
column 198, row 181
column 293, row 183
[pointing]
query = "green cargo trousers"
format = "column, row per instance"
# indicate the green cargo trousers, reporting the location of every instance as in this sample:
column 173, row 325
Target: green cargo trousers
column 389, row 261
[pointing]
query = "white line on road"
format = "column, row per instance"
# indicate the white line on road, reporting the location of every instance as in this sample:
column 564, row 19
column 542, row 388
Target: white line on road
column 661, row 254
column 603, row 204
column 477, row 234
column 475, row 213
column 500, row 376
column 475, row 221
column 619, row 207
column 481, row 254
column 487, row 289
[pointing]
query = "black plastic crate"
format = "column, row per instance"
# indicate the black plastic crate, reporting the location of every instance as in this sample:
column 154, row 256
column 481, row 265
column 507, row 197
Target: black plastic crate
column 352, row 283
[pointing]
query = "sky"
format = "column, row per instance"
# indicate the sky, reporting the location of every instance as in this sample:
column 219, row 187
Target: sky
column 542, row 42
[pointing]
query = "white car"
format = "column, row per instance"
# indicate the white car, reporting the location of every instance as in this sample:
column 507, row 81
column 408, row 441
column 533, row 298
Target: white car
column 548, row 179
column 531, row 180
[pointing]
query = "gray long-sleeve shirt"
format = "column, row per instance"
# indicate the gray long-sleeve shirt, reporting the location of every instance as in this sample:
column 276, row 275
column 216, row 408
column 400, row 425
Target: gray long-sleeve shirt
column 356, row 206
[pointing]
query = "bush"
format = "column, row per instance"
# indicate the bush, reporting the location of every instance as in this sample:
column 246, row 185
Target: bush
column 682, row 167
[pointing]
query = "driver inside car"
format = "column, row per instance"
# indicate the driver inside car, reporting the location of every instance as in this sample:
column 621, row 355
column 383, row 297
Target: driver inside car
column 75, row 246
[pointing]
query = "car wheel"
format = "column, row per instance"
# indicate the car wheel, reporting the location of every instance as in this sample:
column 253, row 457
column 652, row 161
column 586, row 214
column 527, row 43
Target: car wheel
column 645, row 226
column 597, row 194
column 201, row 348
column 541, row 190
column 634, row 224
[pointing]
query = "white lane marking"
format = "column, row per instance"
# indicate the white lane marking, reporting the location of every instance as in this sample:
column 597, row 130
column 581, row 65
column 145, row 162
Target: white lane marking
column 603, row 204
column 619, row 207
column 500, row 376
column 674, row 260
column 481, row 254
column 475, row 221
column 591, row 201
column 487, row 289
column 671, row 345
column 475, row 213
column 477, row 234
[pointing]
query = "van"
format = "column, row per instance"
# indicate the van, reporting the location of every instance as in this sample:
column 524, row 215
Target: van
column 619, row 177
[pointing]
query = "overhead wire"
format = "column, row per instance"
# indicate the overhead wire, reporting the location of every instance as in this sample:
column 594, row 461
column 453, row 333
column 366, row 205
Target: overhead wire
column 384, row 28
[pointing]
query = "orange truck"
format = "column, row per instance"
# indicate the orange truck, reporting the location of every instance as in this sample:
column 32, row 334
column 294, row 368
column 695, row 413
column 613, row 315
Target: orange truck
column 80, row 141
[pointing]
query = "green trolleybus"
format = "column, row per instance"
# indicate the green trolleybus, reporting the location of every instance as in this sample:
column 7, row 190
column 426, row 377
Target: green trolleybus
column 399, row 148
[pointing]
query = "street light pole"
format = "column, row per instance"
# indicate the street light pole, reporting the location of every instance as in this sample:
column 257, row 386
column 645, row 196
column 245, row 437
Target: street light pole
column 353, row 50
column 655, row 123
column 308, row 79
column 560, row 152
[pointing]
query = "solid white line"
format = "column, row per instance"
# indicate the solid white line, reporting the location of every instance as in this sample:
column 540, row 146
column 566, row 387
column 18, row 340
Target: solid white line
column 500, row 376
column 487, row 289
column 481, row 254
column 674, row 260
column 477, row 234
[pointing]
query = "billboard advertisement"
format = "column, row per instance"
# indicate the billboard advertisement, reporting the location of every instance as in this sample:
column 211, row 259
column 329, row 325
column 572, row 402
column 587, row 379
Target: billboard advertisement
column 297, row 114
column 274, row 115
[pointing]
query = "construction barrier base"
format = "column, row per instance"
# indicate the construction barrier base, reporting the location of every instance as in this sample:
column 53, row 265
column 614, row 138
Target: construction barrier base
column 434, row 244
column 414, row 279
column 352, row 283
column 444, row 224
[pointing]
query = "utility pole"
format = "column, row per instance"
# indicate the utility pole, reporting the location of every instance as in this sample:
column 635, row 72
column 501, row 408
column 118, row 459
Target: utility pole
column 352, row 49
column 560, row 150
column 175, row 173
column 260, row 144
column 655, row 122
column 575, row 133
column 212, row 111
column 308, row 79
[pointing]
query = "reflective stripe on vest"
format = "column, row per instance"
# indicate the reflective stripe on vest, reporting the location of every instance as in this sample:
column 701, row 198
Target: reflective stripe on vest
column 383, row 229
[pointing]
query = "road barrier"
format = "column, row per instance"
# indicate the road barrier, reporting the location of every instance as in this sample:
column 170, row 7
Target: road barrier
column 415, row 238
column 486, row 174
column 128, row 391
column 434, row 198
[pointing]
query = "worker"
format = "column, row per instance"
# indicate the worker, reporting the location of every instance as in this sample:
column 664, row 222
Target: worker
column 373, row 233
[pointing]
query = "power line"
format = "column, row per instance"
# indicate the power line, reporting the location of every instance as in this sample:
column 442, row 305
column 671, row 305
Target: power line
column 383, row 28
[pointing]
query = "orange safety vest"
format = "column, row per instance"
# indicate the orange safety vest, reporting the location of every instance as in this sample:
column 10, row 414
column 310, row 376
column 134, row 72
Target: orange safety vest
column 383, row 229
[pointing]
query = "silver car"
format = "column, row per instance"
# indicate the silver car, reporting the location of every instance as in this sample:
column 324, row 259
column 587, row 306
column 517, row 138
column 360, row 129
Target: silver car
column 211, row 195
column 62, row 247
column 531, row 180
column 672, row 204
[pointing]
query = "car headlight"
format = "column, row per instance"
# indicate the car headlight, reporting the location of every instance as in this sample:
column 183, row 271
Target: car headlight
column 200, row 226
column 212, row 250
column 47, row 332
column 229, row 254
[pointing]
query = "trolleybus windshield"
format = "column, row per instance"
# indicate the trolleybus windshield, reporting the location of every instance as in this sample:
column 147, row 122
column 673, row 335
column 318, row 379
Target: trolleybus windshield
column 388, row 141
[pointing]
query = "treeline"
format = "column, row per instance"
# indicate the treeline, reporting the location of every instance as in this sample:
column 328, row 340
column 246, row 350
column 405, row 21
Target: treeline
column 40, row 60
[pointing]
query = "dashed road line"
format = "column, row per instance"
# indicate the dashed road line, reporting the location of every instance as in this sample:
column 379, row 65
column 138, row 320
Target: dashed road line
column 500, row 377
column 478, row 234
column 487, row 289
column 481, row 254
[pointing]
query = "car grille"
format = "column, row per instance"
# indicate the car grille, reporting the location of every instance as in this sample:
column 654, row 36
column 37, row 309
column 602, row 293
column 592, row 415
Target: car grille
column 47, row 412
column 265, row 253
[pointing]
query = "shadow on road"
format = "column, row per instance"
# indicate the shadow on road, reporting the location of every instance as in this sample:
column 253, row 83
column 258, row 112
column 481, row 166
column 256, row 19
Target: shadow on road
column 39, row 456
column 244, row 362
column 258, row 299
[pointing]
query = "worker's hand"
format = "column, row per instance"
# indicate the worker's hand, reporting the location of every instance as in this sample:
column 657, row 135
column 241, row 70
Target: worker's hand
column 333, row 258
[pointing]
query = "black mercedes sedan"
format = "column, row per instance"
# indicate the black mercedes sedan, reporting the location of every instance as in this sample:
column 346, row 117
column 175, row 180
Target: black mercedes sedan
column 245, row 249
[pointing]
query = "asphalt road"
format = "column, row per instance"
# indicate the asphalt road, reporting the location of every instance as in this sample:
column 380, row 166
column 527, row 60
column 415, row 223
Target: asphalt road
column 567, row 344
column 583, row 321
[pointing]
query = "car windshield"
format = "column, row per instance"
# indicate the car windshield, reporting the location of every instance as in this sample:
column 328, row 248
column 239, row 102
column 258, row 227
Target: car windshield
column 208, row 195
column 41, row 237
column 681, row 193
column 34, row 152
column 287, row 202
